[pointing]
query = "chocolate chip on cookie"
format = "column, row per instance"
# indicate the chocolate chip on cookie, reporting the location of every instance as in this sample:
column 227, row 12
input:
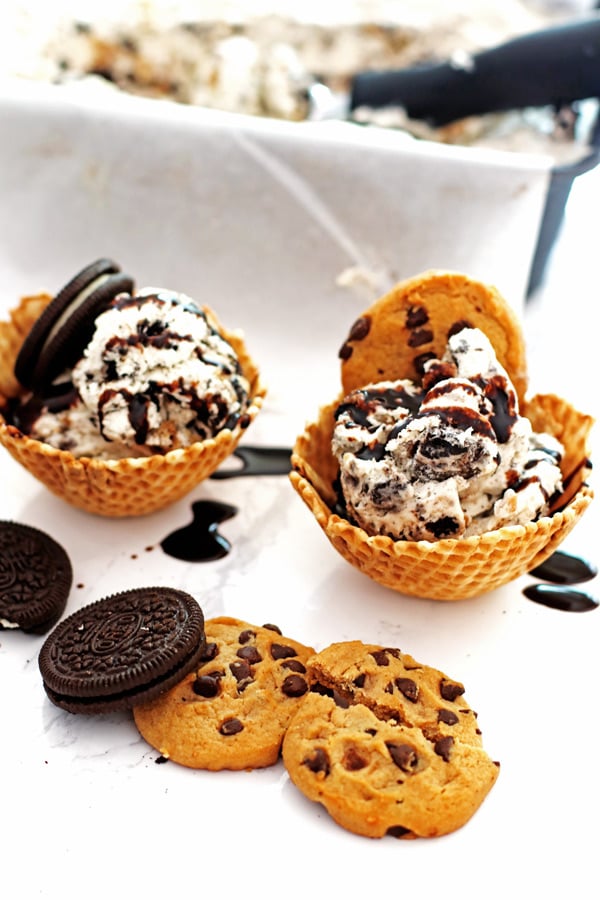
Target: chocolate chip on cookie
column 386, row 744
column 35, row 578
column 121, row 650
column 232, row 711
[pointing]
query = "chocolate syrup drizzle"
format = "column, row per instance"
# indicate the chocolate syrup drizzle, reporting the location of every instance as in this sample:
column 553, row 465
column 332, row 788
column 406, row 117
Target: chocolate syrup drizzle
column 200, row 541
column 563, row 570
column 561, row 598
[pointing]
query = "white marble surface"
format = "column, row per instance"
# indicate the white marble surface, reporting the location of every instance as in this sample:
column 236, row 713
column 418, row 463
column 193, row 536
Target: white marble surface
column 86, row 812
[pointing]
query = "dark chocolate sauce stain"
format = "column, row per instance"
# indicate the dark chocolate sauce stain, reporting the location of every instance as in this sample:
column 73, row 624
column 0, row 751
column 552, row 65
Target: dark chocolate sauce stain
column 200, row 541
column 258, row 461
column 562, row 568
column 561, row 598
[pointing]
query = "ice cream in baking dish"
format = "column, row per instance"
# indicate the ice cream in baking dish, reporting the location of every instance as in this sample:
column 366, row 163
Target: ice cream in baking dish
column 243, row 61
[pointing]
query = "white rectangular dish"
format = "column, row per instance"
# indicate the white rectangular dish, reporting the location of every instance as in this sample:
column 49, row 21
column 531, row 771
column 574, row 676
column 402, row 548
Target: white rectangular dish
column 287, row 232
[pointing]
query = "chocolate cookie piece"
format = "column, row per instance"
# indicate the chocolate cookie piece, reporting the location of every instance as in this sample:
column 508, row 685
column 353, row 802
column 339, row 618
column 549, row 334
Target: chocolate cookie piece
column 35, row 578
column 232, row 712
column 386, row 744
column 122, row 650
column 58, row 338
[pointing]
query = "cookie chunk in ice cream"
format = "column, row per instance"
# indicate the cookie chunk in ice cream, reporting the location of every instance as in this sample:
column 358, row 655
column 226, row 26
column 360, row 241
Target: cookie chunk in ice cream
column 433, row 473
column 451, row 457
column 159, row 394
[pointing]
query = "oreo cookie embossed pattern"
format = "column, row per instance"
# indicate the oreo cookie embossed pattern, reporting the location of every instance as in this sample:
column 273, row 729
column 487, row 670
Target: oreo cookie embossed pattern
column 122, row 650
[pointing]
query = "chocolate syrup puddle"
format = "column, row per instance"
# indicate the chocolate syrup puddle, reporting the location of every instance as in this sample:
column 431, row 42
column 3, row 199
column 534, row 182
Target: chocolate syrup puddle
column 562, row 568
column 561, row 598
column 200, row 541
column 258, row 461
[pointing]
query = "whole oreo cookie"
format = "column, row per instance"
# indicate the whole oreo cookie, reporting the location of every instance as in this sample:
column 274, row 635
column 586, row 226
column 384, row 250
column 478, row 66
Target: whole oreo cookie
column 122, row 650
column 60, row 335
column 35, row 579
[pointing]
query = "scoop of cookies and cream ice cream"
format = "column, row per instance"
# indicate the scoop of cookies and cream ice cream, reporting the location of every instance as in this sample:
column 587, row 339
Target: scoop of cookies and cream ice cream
column 157, row 375
column 450, row 457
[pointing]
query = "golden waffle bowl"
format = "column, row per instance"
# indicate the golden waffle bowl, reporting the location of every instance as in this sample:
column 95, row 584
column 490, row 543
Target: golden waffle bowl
column 449, row 569
column 120, row 487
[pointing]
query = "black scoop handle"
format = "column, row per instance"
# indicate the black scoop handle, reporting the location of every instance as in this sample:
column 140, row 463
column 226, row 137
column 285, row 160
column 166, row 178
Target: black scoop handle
column 554, row 66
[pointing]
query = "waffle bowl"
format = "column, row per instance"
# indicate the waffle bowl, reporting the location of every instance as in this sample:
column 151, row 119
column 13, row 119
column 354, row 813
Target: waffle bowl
column 448, row 569
column 120, row 487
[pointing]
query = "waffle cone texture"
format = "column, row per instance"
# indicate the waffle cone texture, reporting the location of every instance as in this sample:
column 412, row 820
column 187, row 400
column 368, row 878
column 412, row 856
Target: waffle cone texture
column 448, row 569
column 123, row 487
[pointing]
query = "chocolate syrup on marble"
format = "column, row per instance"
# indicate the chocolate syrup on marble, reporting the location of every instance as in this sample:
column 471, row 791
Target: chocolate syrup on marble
column 563, row 569
column 561, row 598
column 200, row 541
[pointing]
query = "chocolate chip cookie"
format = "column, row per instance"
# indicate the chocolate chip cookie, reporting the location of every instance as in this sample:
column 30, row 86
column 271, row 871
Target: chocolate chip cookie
column 386, row 744
column 233, row 710
column 410, row 324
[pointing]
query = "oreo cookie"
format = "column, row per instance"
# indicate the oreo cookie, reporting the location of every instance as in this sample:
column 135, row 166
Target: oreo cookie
column 35, row 579
column 122, row 650
column 59, row 336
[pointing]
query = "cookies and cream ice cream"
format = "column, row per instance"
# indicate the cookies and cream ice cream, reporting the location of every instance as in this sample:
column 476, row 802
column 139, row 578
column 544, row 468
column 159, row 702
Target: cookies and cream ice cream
column 439, row 463
column 451, row 457
column 244, row 59
column 156, row 375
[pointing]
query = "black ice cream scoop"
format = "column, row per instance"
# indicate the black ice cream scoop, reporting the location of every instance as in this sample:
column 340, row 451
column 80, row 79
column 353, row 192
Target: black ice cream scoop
column 552, row 67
